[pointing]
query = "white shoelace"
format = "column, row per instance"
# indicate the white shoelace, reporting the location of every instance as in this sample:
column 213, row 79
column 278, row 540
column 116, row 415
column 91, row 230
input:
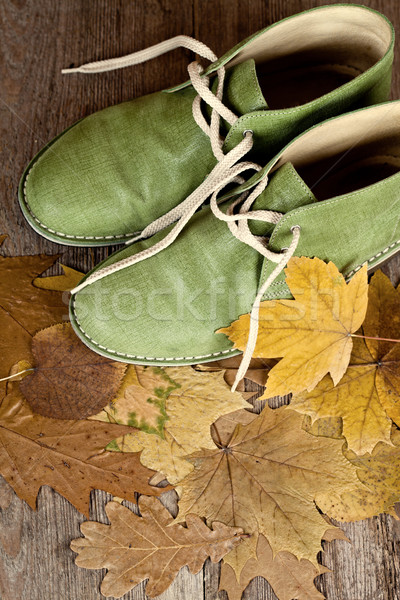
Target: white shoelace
column 227, row 170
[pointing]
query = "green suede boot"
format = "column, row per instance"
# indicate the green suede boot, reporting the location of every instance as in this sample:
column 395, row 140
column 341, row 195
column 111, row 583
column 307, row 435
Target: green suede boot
column 106, row 178
column 333, row 192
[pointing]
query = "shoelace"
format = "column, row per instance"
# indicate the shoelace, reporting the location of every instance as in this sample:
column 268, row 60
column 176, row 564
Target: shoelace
column 227, row 170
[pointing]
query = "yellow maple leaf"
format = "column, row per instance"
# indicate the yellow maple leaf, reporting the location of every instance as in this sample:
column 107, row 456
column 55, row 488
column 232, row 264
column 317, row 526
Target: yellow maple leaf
column 312, row 333
column 193, row 402
column 268, row 480
column 367, row 398
column 378, row 471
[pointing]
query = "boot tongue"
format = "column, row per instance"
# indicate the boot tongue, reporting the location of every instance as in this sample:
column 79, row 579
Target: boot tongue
column 242, row 92
column 285, row 191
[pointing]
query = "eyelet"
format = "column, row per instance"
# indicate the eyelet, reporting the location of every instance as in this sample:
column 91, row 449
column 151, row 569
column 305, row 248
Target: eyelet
column 295, row 227
column 248, row 131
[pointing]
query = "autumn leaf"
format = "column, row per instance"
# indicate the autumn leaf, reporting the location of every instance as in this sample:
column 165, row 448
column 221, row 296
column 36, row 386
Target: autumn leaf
column 290, row 578
column 331, row 427
column 69, row 381
column 268, row 479
column 66, row 455
column 151, row 547
column 379, row 471
column 33, row 309
column 20, row 370
column 312, row 332
column 24, row 309
column 140, row 401
column 59, row 283
column 222, row 430
column 354, row 399
column 368, row 396
column 194, row 401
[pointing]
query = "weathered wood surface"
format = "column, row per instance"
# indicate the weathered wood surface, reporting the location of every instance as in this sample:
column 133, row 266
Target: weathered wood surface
column 37, row 39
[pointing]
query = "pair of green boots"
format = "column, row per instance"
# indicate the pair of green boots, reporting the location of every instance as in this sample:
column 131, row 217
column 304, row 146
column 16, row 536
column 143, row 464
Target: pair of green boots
column 214, row 184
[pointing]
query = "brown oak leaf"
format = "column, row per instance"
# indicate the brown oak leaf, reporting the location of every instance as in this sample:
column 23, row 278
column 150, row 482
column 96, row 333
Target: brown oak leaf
column 151, row 547
column 312, row 333
column 69, row 381
column 24, row 309
column 267, row 479
column 69, row 456
column 367, row 398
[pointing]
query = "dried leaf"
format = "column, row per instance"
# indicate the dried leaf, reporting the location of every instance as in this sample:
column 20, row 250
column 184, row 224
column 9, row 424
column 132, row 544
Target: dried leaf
column 368, row 395
column 380, row 472
column 69, row 381
column 24, row 309
column 267, row 480
column 311, row 332
column 59, row 283
column 223, row 429
column 149, row 547
column 193, row 402
column 140, row 401
column 334, row 534
column 66, row 455
column 330, row 427
column 137, row 409
column 290, row 578
column 20, row 370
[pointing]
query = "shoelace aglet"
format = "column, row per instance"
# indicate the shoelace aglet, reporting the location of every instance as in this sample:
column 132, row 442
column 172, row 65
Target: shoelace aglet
column 78, row 288
column 235, row 384
column 71, row 70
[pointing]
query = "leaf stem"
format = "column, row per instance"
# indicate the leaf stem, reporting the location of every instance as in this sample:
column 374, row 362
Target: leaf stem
column 370, row 337
column 16, row 374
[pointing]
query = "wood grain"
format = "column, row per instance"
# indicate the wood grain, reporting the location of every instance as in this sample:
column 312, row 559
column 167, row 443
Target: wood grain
column 37, row 39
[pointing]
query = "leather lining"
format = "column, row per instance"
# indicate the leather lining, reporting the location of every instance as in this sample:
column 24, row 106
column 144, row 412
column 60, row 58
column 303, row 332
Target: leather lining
column 345, row 28
column 303, row 58
column 350, row 153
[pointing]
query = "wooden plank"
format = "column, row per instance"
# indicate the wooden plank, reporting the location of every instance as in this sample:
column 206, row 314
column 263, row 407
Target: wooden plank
column 37, row 39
